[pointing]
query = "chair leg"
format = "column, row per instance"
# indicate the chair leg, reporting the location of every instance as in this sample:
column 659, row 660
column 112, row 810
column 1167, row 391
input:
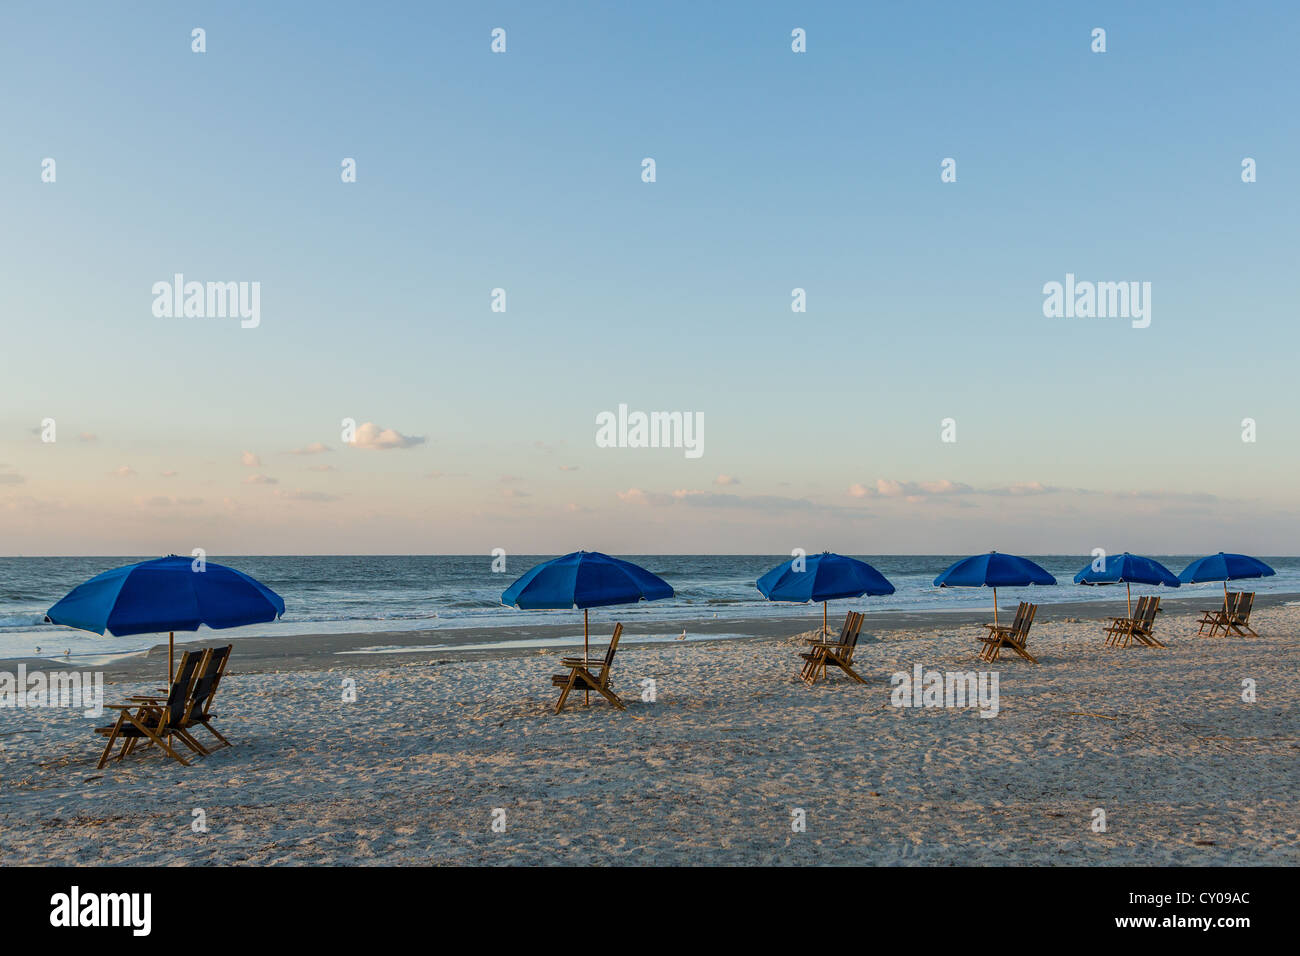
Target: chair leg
column 850, row 671
column 108, row 747
column 216, row 733
column 564, row 693
column 167, row 748
column 190, row 741
column 1020, row 649
column 160, row 740
column 609, row 695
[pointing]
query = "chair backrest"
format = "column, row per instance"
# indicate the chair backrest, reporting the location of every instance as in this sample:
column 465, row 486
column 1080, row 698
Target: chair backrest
column 854, row 630
column 609, row 653
column 1139, row 614
column 1230, row 602
column 1149, row 617
column 209, row 677
column 1026, row 622
column 1019, row 621
column 1245, row 601
column 179, row 697
column 847, row 629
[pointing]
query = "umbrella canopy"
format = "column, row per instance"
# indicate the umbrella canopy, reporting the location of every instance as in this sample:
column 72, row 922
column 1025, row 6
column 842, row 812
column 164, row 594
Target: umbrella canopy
column 1225, row 568
column 825, row 577
column 584, row 579
column 993, row 570
column 1128, row 569
column 166, row 594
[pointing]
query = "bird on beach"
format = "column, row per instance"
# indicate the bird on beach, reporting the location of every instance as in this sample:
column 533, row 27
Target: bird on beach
column 38, row 648
column 682, row 635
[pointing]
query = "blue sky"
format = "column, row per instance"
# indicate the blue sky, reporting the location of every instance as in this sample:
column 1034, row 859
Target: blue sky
column 775, row 170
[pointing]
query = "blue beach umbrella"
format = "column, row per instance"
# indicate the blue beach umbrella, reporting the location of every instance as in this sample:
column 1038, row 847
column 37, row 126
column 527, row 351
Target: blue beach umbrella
column 993, row 570
column 1225, row 568
column 166, row 594
column 584, row 579
column 1127, row 569
column 824, row 577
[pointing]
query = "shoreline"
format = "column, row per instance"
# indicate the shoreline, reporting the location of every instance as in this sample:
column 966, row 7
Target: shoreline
column 313, row 652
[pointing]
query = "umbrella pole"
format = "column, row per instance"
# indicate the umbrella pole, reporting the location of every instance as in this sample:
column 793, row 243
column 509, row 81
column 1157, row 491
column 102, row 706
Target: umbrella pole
column 171, row 638
column 586, row 691
column 825, row 629
column 995, row 607
column 1225, row 595
column 1128, row 587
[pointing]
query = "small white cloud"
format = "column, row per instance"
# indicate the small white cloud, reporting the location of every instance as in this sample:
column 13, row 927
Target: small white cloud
column 912, row 491
column 370, row 437
column 1024, row 488
column 249, row 460
column 726, row 480
column 315, row 448
column 639, row 496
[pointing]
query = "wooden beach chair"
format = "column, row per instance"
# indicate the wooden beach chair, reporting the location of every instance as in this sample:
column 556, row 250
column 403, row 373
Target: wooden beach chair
column 156, row 721
column 1237, row 620
column 838, row 652
column 205, row 688
column 1121, row 631
column 1014, row 637
column 1144, row 624
column 824, row 636
column 1218, row 617
column 581, row 674
column 1015, row 625
column 206, row 681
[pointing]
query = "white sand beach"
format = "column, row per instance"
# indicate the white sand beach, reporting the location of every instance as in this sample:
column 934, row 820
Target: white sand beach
column 710, row 772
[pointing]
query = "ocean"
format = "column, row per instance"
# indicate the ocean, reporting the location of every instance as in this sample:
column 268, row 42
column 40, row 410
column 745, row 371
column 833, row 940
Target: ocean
column 368, row 593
